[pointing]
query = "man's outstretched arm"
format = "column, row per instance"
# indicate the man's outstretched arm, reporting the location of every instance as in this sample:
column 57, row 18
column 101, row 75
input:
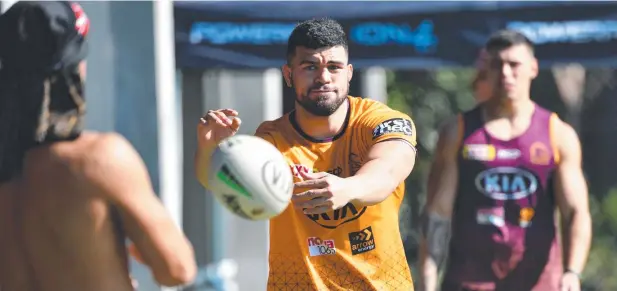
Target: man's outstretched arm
column 115, row 171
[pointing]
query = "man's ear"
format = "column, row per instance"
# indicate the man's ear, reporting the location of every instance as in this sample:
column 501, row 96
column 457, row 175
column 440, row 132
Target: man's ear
column 350, row 72
column 287, row 75
column 534, row 68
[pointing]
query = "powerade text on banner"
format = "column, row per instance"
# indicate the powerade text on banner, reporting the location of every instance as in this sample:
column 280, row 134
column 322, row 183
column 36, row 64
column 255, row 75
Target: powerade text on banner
column 227, row 35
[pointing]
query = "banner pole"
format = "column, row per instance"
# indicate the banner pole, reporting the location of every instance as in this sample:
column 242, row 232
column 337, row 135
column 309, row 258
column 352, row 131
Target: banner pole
column 169, row 112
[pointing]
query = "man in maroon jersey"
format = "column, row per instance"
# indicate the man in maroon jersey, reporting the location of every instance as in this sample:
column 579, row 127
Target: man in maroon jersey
column 500, row 171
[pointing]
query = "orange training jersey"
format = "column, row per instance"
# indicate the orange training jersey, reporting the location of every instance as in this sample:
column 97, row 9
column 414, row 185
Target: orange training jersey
column 351, row 248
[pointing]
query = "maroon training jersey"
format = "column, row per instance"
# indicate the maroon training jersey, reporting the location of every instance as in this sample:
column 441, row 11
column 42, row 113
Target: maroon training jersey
column 503, row 228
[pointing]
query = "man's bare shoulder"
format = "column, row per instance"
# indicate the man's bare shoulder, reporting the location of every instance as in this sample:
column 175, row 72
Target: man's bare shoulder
column 102, row 161
column 72, row 155
column 90, row 147
column 568, row 142
column 109, row 149
column 106, row 145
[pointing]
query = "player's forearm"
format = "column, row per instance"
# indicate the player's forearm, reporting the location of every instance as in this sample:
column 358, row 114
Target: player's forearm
column 434, row 247
column 428, row 269
column 373, row 183
column 578, row 234
column 202, row 162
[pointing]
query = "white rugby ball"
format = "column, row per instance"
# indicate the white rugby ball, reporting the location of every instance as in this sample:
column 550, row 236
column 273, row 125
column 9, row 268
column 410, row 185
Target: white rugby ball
column 250, row 177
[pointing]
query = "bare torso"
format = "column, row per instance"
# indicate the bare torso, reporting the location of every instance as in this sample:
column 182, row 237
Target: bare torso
column 54, row 235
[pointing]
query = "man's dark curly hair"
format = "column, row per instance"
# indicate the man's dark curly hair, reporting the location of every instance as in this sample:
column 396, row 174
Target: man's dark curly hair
column 507, row 38
column 316, row 34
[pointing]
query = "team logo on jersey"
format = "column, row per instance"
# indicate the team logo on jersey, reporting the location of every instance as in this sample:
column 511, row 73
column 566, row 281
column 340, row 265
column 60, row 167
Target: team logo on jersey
column 479, row 152
column 539, row 154
column 332, row 219
column 296, row 169
column 508, row 154
column 362, row 241
column 526, row 214
column 336, row 218
column 394, row 125
column 506, row 183
column 319, row 247
column 491, row 216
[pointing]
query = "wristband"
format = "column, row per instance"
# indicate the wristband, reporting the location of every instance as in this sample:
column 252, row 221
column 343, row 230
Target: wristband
column 578, row 275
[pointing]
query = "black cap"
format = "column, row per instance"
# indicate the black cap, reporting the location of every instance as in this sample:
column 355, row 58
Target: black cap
column 43, row 36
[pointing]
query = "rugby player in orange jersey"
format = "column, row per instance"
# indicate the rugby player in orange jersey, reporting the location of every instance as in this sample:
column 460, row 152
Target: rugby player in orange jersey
column 349, row 156
column 69, row 198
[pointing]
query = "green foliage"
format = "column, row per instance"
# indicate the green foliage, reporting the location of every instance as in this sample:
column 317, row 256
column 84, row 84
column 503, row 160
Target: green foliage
column 430, row 98
column 602, row 263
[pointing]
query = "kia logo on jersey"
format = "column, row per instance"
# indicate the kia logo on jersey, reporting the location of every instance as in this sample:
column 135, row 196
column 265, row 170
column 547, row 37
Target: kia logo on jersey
column 507, row 183
column 334, row 219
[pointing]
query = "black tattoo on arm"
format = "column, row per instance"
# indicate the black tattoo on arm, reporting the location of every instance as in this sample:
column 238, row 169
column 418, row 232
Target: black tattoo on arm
column 436, row 230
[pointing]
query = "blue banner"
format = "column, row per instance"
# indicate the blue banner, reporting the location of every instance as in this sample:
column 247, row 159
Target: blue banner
column 404, row 35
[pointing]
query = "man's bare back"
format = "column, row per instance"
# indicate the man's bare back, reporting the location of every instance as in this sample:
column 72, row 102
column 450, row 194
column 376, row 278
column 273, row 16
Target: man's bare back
column 64, row 220
column 68, row 204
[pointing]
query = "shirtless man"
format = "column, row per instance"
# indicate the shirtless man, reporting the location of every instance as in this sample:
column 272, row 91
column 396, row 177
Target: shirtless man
column 69, row 199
